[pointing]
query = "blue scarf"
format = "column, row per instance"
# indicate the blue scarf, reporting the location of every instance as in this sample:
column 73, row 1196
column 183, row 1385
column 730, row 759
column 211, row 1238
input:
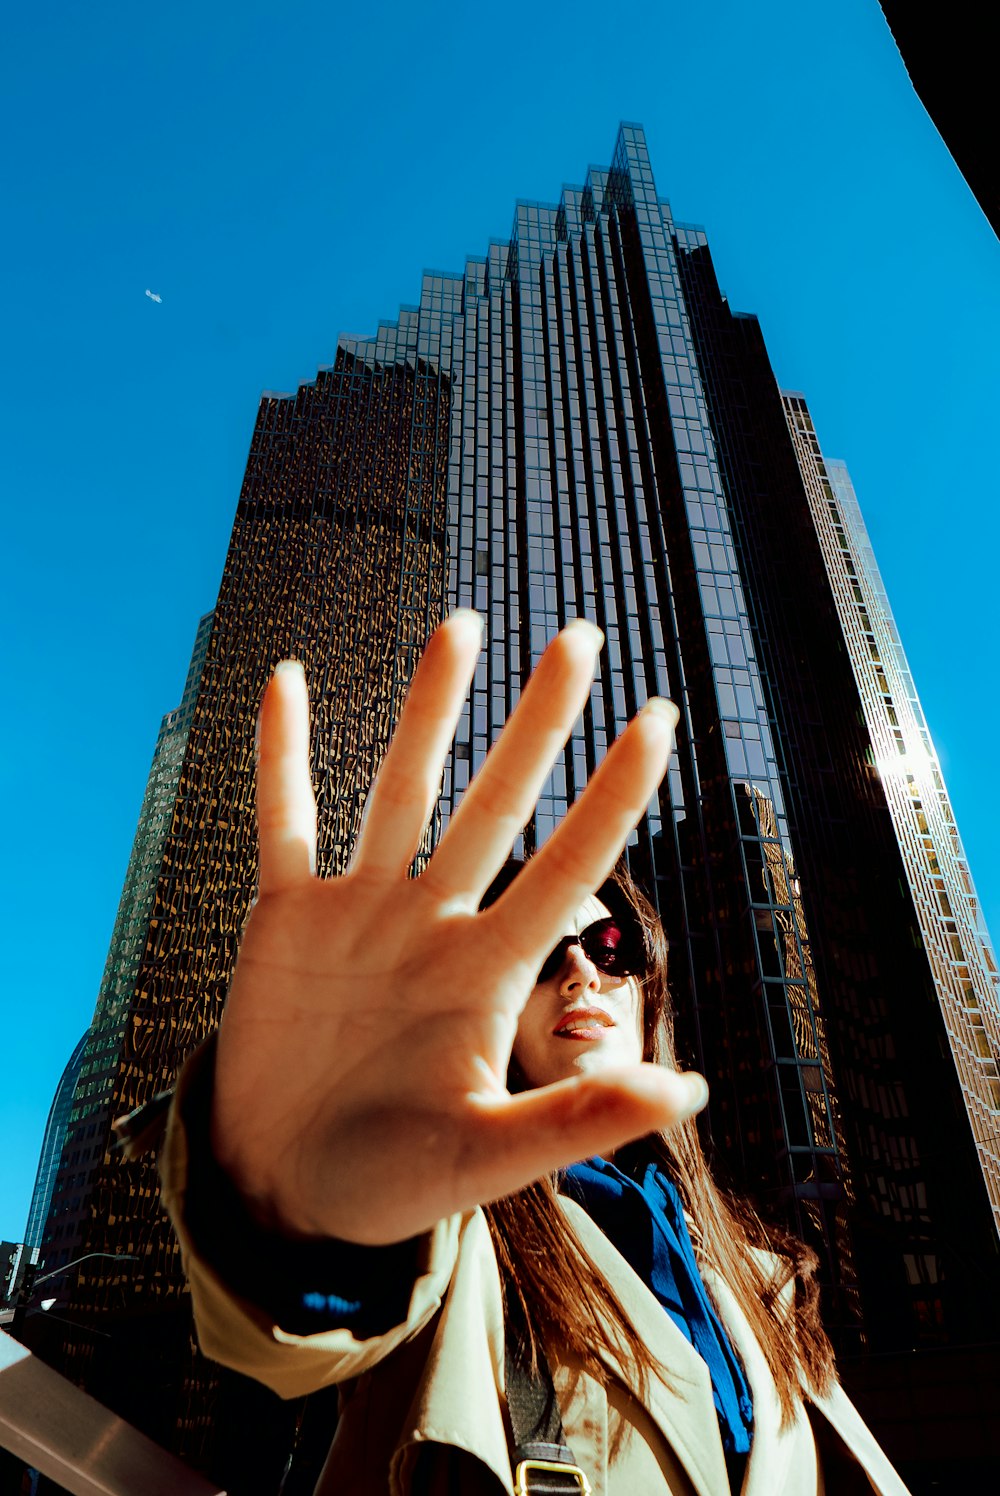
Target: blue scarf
column 644, row 1219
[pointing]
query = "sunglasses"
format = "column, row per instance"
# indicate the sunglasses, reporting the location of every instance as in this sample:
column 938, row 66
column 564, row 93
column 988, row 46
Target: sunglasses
column 613, row 948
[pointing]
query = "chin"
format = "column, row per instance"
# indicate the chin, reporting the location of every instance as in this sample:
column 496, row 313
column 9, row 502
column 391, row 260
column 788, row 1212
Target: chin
column 593, row 1059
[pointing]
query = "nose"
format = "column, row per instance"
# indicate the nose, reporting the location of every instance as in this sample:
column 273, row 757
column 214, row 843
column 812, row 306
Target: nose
column 579, row 974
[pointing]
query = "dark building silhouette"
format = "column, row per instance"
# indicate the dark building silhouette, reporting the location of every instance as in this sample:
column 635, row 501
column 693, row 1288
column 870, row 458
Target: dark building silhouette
column 950, row 56
column 578, row 424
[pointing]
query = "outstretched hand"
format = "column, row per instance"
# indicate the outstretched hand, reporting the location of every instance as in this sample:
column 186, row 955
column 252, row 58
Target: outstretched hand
column 360, row 1075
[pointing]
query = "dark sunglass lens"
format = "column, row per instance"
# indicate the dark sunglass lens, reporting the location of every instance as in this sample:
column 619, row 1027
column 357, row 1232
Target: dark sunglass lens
column 616, row 949
column 613, row 949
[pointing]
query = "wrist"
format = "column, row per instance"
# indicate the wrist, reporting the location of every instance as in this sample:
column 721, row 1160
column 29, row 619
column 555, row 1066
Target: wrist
column 260, row 1206
column 305, row 1281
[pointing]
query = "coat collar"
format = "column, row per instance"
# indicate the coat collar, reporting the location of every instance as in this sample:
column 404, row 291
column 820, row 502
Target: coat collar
column 455, row 1402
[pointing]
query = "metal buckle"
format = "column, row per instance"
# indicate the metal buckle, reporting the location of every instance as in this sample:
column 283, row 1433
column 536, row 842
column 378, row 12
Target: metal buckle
column 525, row 1467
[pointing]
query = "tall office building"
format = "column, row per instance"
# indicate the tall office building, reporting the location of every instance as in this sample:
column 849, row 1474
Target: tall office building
column 578, row 424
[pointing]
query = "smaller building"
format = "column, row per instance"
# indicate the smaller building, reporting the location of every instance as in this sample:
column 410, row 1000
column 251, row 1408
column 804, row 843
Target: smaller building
column 84, row 1136
column 18, row 1267
column 52, row 1146
column 952, row 930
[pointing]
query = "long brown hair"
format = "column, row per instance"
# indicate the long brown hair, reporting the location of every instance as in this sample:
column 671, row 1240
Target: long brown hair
column 569, row 1308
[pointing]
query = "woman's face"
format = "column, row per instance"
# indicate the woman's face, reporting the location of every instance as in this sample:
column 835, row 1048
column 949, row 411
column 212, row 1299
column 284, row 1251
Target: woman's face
column 581, row 1020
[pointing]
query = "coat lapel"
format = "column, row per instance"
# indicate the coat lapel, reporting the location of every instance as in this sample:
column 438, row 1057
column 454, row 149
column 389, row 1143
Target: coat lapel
column 683, row 1409
column 844, row 1417
column 457, row 1402
column 782, row 1461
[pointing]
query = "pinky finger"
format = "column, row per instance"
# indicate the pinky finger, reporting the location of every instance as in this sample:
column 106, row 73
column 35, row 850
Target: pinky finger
column 286, row 806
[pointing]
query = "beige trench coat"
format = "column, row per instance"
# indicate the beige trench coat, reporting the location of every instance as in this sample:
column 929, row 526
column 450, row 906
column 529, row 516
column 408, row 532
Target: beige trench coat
column 422, row 1404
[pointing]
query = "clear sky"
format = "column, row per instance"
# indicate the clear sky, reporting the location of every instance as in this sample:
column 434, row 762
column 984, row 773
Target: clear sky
column 279, row 174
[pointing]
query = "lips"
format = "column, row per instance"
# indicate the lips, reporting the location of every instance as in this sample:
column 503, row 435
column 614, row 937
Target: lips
column 583, row 1024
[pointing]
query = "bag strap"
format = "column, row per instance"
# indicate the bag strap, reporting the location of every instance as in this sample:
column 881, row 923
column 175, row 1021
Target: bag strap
column 542, row 1461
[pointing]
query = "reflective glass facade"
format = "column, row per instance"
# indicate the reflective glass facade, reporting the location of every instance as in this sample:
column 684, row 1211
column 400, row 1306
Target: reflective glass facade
column 952, row 929
column 89, row 1113
column 52, row 1146
column 578, row 424
column 923, row 1240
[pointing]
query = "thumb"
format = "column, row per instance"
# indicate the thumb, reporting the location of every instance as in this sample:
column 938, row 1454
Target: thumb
column 518, row 1139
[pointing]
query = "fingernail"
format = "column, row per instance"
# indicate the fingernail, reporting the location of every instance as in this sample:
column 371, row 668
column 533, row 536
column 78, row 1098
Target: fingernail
column 470, row 618
column 590, row 630
column 697, row 1087
column 659, row 706
column 290, row 667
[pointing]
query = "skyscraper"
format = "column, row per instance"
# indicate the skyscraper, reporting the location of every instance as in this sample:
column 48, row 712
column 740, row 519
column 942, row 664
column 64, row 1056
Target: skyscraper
column 578, row 424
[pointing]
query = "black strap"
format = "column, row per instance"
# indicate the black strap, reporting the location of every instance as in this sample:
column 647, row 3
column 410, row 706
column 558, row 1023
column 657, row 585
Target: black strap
column 538, row 1442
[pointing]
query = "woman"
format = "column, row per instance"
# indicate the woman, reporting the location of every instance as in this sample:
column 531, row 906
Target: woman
column 330, row 1154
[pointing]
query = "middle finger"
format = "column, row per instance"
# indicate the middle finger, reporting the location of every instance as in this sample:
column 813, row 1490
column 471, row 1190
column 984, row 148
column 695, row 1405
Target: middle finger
column 503, row 793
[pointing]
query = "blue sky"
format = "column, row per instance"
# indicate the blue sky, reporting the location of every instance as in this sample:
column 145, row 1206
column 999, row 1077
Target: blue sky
column 281, row 174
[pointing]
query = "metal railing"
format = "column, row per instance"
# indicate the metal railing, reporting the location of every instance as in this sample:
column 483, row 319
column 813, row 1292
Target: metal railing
column 66, row 1435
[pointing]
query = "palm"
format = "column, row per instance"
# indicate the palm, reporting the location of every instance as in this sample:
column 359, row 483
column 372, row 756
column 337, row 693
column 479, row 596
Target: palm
column 360, row 1075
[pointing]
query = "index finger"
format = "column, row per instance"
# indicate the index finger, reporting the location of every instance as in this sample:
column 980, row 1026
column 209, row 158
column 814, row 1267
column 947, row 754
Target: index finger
column 286, row 806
